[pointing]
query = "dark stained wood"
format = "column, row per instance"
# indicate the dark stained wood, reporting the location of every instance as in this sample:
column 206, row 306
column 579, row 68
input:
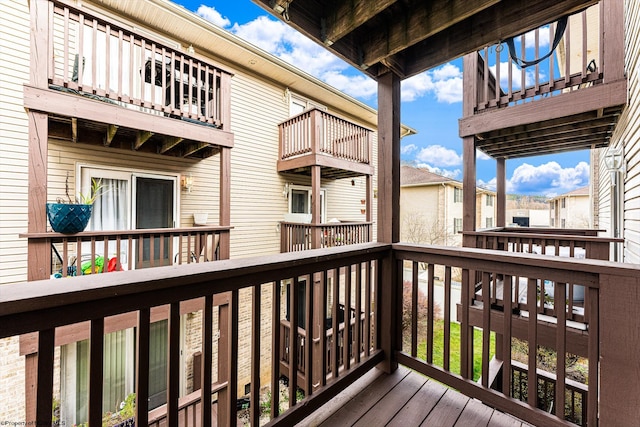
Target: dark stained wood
column 44, row 379
column 419, row 406
column 69, row 105
column 206, row 374
column 385, row 409
column 173, row 368
column 232, row 359
column 256, row 302
column 275, row 349
column 447, row 411
column 224, row 219
column 467, row 27
column 96, row 373
column 474, row 414
column 347, row 17
column 142, row 366
column 501, row 192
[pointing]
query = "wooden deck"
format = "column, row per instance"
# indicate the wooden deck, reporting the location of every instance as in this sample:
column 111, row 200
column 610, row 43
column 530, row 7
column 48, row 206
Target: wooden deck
column 406, row 398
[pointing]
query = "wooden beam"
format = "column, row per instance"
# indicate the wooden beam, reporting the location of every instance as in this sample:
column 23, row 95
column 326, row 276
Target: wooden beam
column 74, row 129
column 425, row 20
column 169, row 143
column 193, row 148
column 348, row 16
column 567, row 104
column 141, row 137
column 64, row 104
column 485, row 28
column 111, row 132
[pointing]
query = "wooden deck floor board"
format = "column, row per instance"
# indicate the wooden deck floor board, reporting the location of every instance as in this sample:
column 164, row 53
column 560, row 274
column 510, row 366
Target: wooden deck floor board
column 389, row 405
column 417, row 409
column 407, row 398
column 355, row 408
column 447, row 411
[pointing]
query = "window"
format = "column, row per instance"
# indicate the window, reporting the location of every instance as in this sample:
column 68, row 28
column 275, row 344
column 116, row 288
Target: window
column 457, row 195
column 489, row 200
column 563, row 223
column 132, row 200
column 299, row 104
column 564, row 202
column 300, row 201
column 457, row 225
column 489, row 223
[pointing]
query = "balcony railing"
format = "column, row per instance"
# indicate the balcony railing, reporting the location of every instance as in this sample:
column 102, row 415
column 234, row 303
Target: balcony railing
column 503, row 82
column 604, row 340
column 107, row 251
column 318, row 132
column 97, row 58
column 578, row 243
column 298, row 237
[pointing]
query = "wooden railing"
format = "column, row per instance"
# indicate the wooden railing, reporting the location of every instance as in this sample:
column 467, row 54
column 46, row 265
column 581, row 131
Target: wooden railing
column 575, row 393
column 41, row 308
column 108, row 251
column 298, row 236
column 510, row 84
column 580, row 243
column 94, row 57
column 318, row 132
column 451, row 277
column 331, row 362
column 604, row 338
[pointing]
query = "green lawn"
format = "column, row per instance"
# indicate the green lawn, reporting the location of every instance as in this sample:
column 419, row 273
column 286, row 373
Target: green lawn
column 454, row 361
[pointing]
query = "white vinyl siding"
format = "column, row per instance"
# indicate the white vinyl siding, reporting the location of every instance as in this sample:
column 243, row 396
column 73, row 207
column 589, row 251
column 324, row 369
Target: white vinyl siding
column 14, row 72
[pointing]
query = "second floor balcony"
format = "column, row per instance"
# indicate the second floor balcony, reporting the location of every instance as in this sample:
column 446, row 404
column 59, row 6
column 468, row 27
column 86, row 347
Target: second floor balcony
column 99, row 80
column 341, row 148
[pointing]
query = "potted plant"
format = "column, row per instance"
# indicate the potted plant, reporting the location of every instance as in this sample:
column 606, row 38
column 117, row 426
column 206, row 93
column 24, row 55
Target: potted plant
column 71, row 214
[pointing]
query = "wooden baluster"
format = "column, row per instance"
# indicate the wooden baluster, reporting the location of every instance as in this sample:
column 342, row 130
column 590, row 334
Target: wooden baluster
column 142, row 367
column 507, row 297
column 173, row 370
column 430, row 311
column 414, row 308
column 561, row 342
column 275, row 347
column 335, row 325
column 486, row 326
column 446, row 358
column 532, row 377
column 96, row 374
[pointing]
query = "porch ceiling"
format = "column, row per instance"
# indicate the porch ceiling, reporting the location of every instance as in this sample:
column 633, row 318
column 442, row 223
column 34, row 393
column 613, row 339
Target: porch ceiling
column 583, row 131
column 411, row 36
column 83, row 120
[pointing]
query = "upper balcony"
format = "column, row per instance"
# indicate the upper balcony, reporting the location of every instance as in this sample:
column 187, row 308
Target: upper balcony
column 125, row 89
column 316, row 138
column 522, row 104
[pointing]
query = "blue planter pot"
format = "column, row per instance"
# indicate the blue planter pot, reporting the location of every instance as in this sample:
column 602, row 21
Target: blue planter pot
column 68, row 218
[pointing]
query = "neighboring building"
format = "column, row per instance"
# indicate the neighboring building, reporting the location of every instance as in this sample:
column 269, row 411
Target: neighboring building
column 431, row 207
column 211, row 135
column 571, row 210
column 528, row 217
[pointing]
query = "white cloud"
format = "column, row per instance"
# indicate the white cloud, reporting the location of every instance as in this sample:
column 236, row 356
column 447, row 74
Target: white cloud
column 516, row 76
column 408, row 149
column 548, row 179
column 448, row 173
column 480, row 155
column 211, row 14
column 530, row 38
column 439, row 156
column 359, row 86
column 445, row 83
column 489, row 185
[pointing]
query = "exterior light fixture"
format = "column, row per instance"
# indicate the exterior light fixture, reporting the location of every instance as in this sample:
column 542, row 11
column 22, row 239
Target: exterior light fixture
column 187, row 182
column 614, row 160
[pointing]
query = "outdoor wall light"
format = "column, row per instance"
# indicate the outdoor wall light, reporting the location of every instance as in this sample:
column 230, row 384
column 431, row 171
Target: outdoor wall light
column 285, row 190
column 187, row 182
column 614, row 160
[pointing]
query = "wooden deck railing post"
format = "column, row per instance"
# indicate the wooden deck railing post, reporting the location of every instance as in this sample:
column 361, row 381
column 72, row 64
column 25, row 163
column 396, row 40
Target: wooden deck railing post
column 388, row 213
column 619, row 349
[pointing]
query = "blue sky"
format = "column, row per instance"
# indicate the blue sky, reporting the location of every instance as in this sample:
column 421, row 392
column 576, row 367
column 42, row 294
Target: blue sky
column 431, row 103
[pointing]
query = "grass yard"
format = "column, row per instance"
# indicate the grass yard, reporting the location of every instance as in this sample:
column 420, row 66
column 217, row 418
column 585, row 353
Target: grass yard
column 454, row 361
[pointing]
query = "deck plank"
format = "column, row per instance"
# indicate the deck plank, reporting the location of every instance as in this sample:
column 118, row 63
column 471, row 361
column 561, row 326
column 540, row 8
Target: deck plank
column 447, row 411
column 359, row 405
column 500, row 419
column 474, row 414
column 383, row 411
column 420, row 405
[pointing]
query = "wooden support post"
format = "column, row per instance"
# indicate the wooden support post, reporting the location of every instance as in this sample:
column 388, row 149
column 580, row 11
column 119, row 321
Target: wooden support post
column 612, row 33
column 619, row 345
column 389, row 211
column 225, row 200
column 501, row 190
column 368, row 198
column 315, row 206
